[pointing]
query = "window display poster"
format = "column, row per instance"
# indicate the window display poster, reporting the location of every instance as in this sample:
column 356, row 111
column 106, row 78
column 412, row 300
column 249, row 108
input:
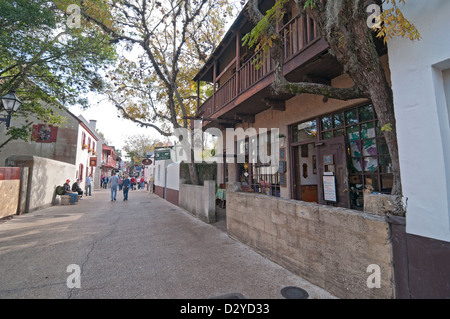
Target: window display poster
column 329, row 189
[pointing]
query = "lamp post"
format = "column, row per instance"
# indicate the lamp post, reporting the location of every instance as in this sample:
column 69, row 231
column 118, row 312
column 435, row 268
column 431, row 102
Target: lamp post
column 11, row 104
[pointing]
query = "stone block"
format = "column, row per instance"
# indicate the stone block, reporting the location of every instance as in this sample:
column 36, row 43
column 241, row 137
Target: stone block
column 65, row 199
column 278, row 218
column 270, row 228
column 381, row 204
column 307, row 211
column 258, row 223
column 286, row 207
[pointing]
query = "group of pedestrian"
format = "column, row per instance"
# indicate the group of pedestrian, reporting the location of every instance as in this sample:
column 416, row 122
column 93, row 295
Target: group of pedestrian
column 116, row 183
column 123, row 184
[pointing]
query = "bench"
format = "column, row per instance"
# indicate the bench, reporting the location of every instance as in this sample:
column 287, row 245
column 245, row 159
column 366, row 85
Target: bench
column 65, row 199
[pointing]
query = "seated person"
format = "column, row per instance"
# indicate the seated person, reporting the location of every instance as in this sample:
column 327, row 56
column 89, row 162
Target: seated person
column 76, row 188
column 68, row 191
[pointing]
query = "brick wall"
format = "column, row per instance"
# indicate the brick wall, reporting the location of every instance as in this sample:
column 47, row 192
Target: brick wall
column 330, row 247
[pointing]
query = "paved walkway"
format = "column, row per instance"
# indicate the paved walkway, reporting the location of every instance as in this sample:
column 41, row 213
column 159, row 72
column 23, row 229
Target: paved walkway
column 143, row 248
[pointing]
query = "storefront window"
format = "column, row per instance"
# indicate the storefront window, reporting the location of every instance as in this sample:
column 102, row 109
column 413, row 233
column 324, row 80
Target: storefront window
column 261, row 178
column 370, row 166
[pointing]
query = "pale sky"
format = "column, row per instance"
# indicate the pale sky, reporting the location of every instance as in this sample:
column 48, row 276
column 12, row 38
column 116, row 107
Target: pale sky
column 115, row 129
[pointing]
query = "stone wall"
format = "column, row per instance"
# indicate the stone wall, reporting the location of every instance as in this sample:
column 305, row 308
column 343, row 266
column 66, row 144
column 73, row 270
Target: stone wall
column 330, row 247
column 200, row 201
column 43, row 178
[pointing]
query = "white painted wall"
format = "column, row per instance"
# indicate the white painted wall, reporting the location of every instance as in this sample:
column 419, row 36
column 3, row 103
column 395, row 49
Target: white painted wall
column 160, row 172
column 83, row 156
column 173, row 176
column 419, row 72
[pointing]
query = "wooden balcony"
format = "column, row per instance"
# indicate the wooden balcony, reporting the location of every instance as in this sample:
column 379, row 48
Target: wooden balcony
column 245, row 89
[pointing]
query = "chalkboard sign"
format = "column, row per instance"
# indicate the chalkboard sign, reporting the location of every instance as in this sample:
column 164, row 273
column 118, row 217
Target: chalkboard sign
column 282, row 154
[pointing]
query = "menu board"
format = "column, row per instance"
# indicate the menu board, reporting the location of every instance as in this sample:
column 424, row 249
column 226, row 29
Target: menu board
column 329, row 188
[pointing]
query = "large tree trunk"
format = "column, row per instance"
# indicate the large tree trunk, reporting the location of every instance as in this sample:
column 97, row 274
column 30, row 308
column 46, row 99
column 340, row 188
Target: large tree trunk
column 351, row 41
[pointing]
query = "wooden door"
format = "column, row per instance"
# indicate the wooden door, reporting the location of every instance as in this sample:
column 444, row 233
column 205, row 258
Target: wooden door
column 334, row 151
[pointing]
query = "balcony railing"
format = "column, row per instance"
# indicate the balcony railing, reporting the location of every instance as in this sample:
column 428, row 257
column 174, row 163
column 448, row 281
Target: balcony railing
column 297, row 34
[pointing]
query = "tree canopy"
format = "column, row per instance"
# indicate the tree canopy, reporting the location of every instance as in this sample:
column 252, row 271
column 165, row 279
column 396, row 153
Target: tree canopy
column 49, row 63
column 163, row 44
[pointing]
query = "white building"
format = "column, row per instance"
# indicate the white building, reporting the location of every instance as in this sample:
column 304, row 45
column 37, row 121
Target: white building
column 87, row 151
column 420, row 73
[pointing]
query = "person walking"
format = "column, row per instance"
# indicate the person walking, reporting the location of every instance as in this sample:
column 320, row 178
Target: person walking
column 141, row 183
column 120, row 183
column 151, row 182
column 114, row 183
column 126, row 187
column 89, row 181
column 133, row 183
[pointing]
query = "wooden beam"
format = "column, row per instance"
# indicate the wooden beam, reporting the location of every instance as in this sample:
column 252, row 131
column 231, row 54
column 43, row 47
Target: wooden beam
column 238, row 59
column 315, row 79
column 233, row 62
column 205, row 119
column 276, row 105
column 246, row 118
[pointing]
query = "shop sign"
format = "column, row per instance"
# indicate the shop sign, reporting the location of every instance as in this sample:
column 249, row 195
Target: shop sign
column 93, row 162
column 162, row 155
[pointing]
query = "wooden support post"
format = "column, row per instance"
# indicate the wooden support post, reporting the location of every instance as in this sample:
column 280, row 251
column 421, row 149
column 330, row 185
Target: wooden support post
column 238, row 60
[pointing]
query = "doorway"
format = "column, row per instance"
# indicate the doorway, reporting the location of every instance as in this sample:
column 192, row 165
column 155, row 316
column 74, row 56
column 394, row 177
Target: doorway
column 332, row 165
column 305, row 173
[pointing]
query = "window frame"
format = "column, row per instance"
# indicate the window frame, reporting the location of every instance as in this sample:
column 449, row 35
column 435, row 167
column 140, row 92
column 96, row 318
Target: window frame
column 379, row 140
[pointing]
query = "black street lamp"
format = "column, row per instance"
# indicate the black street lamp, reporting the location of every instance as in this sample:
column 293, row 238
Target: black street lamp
column 11, row 104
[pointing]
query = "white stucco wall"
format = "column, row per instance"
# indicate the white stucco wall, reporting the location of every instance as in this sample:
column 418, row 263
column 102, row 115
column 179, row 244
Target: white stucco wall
column 173, row 176
column 418, row 73
column 83, row 156
column 161, row 171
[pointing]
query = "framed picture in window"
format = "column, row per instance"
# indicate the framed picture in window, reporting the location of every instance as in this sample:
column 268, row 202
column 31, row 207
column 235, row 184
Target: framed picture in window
column 328, row 159
column 282, row 154
column 283, row 182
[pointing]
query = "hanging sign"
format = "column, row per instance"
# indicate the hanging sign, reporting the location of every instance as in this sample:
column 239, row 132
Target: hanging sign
column 93, row 162
column 162, row 155
column 147, row 161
